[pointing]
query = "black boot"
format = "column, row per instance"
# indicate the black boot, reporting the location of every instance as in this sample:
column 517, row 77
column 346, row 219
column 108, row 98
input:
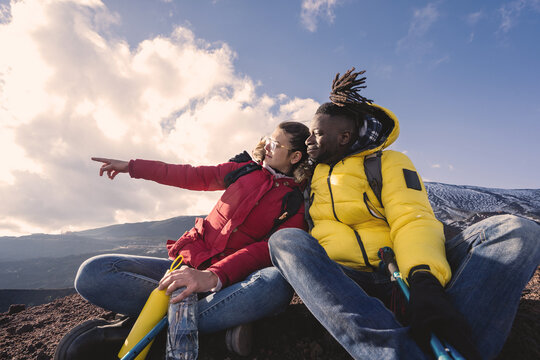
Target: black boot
column 94, row 339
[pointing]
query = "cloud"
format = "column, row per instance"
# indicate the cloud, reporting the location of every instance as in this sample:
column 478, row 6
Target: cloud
column 70, row 89
column 439, row 166
column 414, row 42
column 474, row 18
column 511, row 11
column 439, row 61
column 384, row 70
column 509, row 14
column 312, row 10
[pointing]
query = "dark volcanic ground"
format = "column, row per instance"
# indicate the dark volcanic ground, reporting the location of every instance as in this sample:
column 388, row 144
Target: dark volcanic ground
column 33, row 333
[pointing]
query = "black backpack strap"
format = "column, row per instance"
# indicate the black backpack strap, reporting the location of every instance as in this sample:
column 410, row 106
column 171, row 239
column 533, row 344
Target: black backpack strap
column 290, row 204
column 231, row 177
column 240, row 158
column 372, row 168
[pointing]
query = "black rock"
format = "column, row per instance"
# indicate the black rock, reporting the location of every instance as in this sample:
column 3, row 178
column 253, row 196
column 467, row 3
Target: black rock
column 16, row 308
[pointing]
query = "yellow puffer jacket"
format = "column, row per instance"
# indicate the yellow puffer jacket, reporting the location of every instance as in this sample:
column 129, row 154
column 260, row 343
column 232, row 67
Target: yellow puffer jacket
column 346, row 214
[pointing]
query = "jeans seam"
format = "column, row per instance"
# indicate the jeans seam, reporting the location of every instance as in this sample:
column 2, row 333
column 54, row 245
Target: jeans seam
column 132, row 275
column 464, row 239
column 230, row 296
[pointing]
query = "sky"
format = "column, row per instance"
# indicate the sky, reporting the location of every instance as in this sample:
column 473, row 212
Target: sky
column 197, row 82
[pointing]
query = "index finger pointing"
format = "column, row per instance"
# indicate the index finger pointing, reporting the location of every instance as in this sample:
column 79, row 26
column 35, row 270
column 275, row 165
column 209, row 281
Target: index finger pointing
column 103, row 160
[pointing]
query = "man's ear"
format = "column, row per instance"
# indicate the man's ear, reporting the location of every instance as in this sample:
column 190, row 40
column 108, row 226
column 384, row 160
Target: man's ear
column 296, row 157
column 344, row 138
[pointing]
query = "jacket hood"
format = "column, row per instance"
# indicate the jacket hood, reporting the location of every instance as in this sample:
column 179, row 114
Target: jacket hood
column 388, row 134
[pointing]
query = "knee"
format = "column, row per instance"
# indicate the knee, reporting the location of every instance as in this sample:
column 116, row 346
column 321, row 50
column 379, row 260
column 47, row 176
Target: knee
column 285, row 239
column 522, row 234
column 89, row 273
column 283, row 236
column 273, row 277
column 528, row 232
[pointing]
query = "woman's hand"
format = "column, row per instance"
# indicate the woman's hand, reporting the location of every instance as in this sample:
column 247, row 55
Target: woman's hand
column 194, row 280
column 112, row 167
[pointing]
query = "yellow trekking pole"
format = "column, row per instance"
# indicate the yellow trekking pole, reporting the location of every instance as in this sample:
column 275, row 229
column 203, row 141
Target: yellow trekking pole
column 150, row 321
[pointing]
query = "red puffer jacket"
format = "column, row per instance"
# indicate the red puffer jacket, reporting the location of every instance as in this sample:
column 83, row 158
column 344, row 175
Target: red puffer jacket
column 232, row 241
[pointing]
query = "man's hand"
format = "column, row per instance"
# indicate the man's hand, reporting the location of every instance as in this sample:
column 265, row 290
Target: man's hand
column 432, row 312
column 192, row 279
column 112, row 167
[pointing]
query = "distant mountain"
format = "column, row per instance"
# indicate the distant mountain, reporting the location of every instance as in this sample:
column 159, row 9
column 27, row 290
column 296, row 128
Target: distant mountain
column 459, row 206
column 51, row 261
column 457, row 202
column 42, row 261
column 104, row 239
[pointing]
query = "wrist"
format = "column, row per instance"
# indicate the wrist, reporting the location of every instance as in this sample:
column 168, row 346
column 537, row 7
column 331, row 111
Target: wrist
column 212, row 278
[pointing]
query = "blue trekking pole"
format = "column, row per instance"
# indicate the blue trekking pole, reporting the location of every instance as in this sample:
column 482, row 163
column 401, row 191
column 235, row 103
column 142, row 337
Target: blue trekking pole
column 135, row 350
column 446, row 352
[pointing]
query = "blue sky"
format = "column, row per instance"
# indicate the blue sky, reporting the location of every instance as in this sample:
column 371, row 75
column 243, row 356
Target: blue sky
column 198, row 81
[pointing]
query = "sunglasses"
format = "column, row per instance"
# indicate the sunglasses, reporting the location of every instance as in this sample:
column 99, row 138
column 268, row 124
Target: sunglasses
column 272, row 144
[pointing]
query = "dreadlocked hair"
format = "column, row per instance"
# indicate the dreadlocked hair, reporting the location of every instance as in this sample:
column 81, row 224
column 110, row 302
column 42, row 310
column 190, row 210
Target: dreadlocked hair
column 345, row 89
column 346, row 100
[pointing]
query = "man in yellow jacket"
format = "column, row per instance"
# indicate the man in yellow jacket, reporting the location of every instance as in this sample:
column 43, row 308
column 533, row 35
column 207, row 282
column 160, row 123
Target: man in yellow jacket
column 335, row 268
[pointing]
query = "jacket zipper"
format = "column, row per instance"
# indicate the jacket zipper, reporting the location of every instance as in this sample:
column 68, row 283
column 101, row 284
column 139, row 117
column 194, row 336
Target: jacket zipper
column 360, row 243
column 372, row 209
column 330, row 189
column 363, row 249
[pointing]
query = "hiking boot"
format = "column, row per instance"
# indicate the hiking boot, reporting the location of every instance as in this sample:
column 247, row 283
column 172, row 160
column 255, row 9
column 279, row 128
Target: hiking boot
column 94, row 339
column 239, row 339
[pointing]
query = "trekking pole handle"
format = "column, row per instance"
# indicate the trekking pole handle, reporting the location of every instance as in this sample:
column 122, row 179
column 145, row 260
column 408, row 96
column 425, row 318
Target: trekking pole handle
column 388, row 258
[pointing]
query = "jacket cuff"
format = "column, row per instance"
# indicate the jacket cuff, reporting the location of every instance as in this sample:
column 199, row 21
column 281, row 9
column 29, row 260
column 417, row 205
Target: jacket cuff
column 131, row 166
column 222, row 278
column 218, row 286
column 419, row 268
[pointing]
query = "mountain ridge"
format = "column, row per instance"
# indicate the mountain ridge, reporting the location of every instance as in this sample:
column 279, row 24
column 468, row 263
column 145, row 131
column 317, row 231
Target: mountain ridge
column 56, row 258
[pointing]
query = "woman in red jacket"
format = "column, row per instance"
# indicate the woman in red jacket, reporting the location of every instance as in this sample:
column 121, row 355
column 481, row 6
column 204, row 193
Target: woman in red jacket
column 225, row 254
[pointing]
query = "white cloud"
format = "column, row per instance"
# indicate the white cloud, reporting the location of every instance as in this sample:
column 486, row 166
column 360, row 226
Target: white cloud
column 511, row 11
column 474, row 18
column 312, row 10
column 384, row 70
column 436, row 166
column 509, row 14
column 422, row 21
column 69, row 91
column 442, row 60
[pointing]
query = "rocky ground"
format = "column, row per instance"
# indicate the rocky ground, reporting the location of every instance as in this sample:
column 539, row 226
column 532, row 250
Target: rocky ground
column 33, row 333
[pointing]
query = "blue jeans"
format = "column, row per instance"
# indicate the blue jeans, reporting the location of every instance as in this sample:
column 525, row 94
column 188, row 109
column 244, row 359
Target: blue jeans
column 122, row 283
column 491, row 262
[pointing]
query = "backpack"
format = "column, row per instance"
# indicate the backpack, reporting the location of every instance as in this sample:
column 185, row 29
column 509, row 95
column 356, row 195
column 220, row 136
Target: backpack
column 291, row 202
column 372, row 168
